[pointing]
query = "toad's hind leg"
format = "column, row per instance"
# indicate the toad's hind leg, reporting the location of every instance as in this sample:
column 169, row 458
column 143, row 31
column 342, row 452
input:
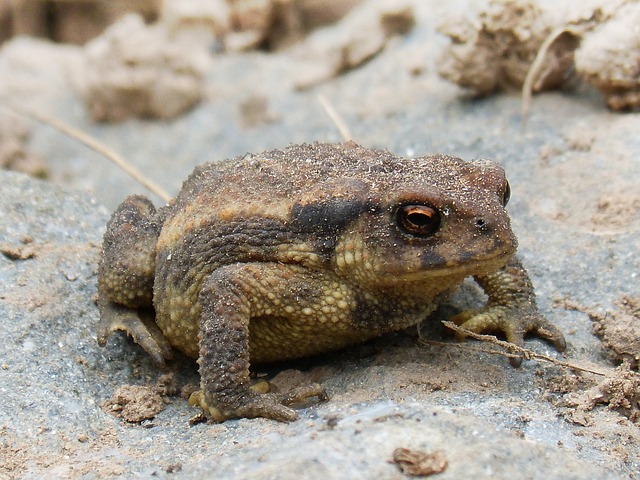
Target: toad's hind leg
column 126, row 273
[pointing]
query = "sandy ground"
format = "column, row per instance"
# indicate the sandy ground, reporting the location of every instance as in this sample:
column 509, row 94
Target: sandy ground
column 574, row 172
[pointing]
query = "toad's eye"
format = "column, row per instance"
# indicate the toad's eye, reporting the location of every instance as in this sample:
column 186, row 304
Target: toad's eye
column 506, row 193
column 420, row 220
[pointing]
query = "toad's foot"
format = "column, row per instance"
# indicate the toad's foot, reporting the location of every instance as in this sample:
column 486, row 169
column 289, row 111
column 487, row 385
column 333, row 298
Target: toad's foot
column 513, row 322
column 274, row 406
column 511, row 309
column 143, row 330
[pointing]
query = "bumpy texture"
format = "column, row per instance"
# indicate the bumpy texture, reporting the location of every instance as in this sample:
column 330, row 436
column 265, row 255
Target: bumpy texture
column 291, row 253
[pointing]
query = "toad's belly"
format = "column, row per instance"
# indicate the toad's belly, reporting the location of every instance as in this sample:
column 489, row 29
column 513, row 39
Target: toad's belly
column 276, row 338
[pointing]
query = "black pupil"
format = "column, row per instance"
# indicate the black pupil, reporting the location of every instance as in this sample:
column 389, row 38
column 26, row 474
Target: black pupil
column 419, row 219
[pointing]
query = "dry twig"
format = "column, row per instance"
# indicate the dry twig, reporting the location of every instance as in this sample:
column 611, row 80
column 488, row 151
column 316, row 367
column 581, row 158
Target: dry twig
column 94, row 145
column 538, row 63
column 335, row 118
column 519, row 351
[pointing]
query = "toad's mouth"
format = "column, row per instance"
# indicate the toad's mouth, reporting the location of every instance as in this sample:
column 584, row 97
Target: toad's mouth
column 460, row 267
column 471, row 268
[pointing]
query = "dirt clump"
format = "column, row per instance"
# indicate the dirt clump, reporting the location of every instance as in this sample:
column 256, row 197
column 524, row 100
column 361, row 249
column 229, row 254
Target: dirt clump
column 274, row 24
column 619, row 390
column 135, row 70
column 547, row 45
column 414, row 463
column 619, row 329
column 14, row 155
column 23, row 251
column 620, row 332
column 358, row 37
column 70, row 21
column 609, row 54
column 137, row 403
column 134, row 403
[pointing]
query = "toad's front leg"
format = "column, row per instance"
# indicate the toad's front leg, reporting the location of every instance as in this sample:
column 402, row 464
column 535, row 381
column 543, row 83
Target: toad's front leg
column 229, row 298
column 511, row 309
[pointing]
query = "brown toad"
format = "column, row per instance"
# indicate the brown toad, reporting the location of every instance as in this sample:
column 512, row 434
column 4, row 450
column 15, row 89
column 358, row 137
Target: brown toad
column 296, row 252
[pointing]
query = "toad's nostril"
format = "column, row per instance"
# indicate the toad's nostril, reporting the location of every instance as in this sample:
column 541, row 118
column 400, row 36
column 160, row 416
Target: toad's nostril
column 481, row 223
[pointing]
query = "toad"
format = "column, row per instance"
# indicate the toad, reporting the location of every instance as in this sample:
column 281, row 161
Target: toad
column 295, row 252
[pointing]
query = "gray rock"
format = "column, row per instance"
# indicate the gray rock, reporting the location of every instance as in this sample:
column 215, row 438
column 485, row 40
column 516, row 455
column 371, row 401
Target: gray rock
column 393, row 394
column 574, row 174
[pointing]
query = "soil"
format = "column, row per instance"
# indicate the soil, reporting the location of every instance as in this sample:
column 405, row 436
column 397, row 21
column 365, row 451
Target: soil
column 397, row 406
column 501, row 46
column 14, row 154
column 137, row 403
column 135, row 70
column 419, row 464
column 618, row 329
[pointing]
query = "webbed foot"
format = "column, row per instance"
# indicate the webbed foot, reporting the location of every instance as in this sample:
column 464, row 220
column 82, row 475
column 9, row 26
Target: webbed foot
column 258, row 403
column 514, row 322
column 511, row 309
column 142, row 329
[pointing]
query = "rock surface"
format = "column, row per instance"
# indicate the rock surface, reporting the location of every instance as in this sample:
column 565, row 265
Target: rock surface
column 574, row 173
